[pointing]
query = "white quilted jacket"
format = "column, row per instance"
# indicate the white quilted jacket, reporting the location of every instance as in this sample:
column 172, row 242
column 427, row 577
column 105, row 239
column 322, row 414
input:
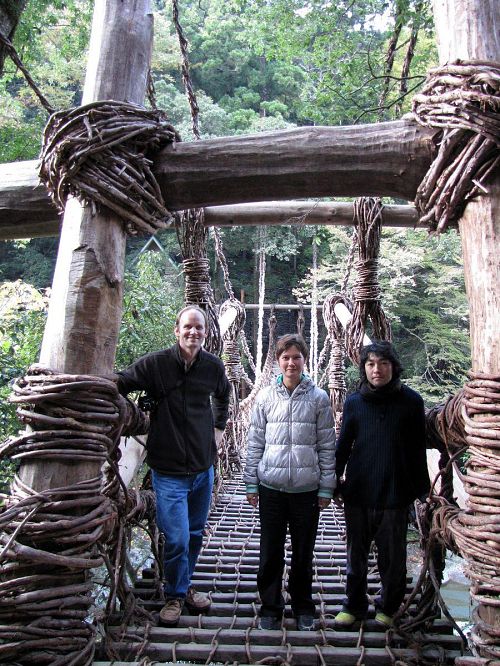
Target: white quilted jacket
column 291, row 440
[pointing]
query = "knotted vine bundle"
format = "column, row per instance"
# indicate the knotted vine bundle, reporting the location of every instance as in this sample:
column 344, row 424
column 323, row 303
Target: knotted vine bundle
column 51, row 539
column 336, row 367
column 102, row 153
column 229, row 453
column 366, row 292
column 463, row 99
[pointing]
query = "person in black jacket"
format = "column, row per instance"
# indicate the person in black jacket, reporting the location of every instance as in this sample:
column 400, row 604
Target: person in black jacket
column 381, row 450
column 191, row 394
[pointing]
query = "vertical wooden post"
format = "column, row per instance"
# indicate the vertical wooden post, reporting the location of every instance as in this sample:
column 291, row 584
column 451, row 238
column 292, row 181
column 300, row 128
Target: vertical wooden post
column 86, row 302
column 470, row 30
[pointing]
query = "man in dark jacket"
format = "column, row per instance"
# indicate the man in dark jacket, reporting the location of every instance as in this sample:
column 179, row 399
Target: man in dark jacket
column 191, row 394
column 381, row 449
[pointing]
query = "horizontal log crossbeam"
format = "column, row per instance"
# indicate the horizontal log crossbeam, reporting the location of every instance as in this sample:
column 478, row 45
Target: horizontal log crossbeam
column 386, row 160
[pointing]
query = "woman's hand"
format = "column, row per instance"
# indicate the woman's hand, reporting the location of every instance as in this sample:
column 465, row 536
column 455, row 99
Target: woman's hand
column 253, row 499
column 323, row 503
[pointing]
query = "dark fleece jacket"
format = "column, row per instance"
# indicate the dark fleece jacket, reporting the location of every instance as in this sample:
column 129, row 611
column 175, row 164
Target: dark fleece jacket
column 381, row 447
column 190, row 403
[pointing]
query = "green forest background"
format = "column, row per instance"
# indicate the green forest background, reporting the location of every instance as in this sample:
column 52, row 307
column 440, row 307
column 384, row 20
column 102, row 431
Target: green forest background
column 256, row 65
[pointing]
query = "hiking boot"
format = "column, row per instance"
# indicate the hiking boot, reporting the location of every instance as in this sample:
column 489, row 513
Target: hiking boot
column 196, row 601
column 344, row 619
column 384, row 620
column 269, row 623
column 306, row 623
column 171, row 612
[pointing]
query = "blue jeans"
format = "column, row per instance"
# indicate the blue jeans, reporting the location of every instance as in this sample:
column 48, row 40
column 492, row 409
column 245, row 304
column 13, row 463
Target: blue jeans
column 182, row 504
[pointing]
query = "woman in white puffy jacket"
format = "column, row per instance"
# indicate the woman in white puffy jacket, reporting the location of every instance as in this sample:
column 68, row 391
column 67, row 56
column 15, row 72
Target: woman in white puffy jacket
column 290, row 475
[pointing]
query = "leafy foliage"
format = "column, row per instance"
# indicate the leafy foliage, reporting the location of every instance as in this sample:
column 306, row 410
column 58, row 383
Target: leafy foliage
column 22, row 318
column 153, row 295
column 51, row 40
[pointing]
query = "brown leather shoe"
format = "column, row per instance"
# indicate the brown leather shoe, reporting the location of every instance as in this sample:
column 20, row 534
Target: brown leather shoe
column 196, row 601
column 171, row 612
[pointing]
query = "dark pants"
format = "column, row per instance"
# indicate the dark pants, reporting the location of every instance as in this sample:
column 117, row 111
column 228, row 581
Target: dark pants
column 300, row 513
column 387, row 527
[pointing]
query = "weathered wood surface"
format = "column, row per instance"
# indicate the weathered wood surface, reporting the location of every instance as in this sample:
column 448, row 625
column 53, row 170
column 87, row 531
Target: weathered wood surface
column 476, row 36
column 384, row 159
column 86, row 302
column 301, row 212
column 388, row 159
column 31, row 215
column 10, row 13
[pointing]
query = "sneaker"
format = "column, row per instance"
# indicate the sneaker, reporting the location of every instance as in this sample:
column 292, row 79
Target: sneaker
column 171, row 612
column 196, row 601
column 269, row 623
column 344, row 619
column 384, row 620
column 306, row 623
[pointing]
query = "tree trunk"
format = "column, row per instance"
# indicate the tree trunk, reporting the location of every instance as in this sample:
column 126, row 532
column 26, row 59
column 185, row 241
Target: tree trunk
column 86, row 302
column 10, row 13
column 476, row 36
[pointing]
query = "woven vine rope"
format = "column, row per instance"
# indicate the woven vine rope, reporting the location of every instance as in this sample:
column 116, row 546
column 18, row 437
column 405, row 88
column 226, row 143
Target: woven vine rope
column 366, row 292
column 462, row 98
column 102, row 154
column 336, row 368
column 265, row 376
column 192, row 235
column 229, row 453
column 471, row 420
column 50, row 540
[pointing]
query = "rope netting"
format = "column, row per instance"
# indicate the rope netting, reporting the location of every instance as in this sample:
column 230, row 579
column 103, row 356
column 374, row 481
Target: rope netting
column 230, row 457
column 313, row 336
column 463, row 100
column 265, row 376
column 192, row 234
column 262, row 295
column 336, row 367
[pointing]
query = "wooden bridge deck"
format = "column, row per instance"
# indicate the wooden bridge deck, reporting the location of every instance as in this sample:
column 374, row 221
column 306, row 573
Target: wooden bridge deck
column 229, row 635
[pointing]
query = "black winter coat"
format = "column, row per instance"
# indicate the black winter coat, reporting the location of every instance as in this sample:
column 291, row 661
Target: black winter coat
column 190, row 403
column 381, row 447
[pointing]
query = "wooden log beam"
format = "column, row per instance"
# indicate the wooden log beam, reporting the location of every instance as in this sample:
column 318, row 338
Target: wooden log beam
column 29, row 214
column 301, row 212
column 387, row 159
column 383, row 159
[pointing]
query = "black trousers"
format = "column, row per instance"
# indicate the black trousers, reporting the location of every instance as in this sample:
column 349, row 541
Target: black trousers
column 300, row 513
column 387, row 527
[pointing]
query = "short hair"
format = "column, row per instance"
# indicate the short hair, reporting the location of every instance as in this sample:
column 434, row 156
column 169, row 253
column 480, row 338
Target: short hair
column 186, row 308
column 292, row 340
column 384, row 349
